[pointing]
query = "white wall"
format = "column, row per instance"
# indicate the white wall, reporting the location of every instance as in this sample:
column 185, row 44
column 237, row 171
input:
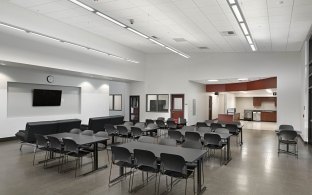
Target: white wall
column 94, row 97
column 230, row 101
column 170, row 73
column 123, row 89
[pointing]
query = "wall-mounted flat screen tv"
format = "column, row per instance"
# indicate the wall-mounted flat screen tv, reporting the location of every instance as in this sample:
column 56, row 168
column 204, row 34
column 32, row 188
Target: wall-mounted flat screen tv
column 44, row 97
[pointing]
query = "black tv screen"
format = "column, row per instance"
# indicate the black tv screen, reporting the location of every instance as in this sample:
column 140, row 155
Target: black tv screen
column 43, row 97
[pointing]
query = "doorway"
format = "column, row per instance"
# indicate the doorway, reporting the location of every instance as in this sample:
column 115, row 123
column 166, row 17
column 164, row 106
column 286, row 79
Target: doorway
column 134, row 112
column 177, row 106
column 210, row 108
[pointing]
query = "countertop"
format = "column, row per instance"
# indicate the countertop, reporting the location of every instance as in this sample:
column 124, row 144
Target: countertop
column 261, row 110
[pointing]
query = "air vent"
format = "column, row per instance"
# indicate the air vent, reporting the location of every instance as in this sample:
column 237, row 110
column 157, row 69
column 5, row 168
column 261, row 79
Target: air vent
column 154, row 37
column 228, row 33
column 179, row 39
column 203, row 47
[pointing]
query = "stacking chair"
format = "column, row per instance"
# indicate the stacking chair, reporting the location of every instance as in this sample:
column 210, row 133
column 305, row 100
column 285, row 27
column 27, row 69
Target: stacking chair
column 213, row 142
column 168, row 142
column 201, row 124
column 149, row 121
column 55, row 146
column 71, row 148
column 288, row 137
column 170, row 119
column 161, row 118
column 192, row 136
column 176, row 135
column 75, row 131
column 145, row 161
column 175, row 166
column 41, row 144
column 87, row 132
column 121, row 157
column 146, row 139
column 208, row 122
column 188, row 128
column 233, row 129
column 111, row 130
column 136, row 132
column 215, row 126
column 123, row 133
column 181, row 122
column 161, row 125
column 128, row 123
column 141, row 125
column 286, row 127
column 171, row 125
column 204, row 129
column 105, row 135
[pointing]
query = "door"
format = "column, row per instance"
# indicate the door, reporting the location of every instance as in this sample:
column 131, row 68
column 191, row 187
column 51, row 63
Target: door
column 177, row 106
column 210, row 108
column 134, row 112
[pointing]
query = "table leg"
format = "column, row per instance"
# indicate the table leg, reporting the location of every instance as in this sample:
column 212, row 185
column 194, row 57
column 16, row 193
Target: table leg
column 95, row 156
column 228, row 150
column 241, row 131
column 200, row 188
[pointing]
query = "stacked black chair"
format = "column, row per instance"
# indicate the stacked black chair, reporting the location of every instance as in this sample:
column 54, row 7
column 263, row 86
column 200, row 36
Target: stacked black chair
column 71, row 148
column 145, row 161
column 41, row 144
column 192, row 136
column 111, row 130
column 123, row 132
column 176, row 135
column 136, row 132
column 56, row 147
column 175, row 166
column 213, row 142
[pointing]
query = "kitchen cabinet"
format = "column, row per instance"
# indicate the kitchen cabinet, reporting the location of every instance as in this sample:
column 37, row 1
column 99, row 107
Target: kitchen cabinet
column 268, row 116
column 257, row 101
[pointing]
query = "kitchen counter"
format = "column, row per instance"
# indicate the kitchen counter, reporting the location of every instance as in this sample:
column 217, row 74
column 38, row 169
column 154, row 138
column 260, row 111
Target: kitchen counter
column 260, row 115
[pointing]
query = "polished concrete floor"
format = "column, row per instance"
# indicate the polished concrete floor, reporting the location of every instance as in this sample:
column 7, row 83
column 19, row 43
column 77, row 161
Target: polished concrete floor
column 255, row 169
column 256, row 125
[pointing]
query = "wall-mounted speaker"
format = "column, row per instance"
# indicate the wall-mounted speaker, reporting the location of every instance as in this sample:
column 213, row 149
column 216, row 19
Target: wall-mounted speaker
column 216, row 93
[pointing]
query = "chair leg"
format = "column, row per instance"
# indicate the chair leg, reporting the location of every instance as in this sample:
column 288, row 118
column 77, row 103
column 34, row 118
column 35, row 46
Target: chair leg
column 110, row 173
column 34, row 156
column 156, row 184
column 77, row 159
column 185, row 186
column 194, row 182
column 129, row 187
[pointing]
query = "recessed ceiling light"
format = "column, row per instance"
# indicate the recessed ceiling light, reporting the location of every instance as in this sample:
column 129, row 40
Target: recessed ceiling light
column 213, row 80
column 243, row 79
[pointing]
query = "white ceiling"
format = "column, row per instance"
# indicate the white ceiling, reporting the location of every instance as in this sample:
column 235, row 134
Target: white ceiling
column 276, row 25
column 228, row 80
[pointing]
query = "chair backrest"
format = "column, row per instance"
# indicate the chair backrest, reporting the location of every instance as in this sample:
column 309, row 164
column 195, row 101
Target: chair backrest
column 101, row 134
column 201, row 124
column 128, row 123
column 161, row 118
column 41, row 140
column 287, row 135
column 204, row 129
column 173, row 162
column 144, row 158
column 215, row 126
column 149, row 121
column 152, row 126
column 140, row 125
column 212, row 139
column 122, row 130
column 176, row 135
column 146, row 139
column 232, row 128
column 170, row 119
column 110, row 129
column 188, row 128
column 286, row 127
column 171, row 125
column 87, row 132
column 192, row 144
column 121, row 154
column 54, row 142
column 75, row 131
column 160, row 123
column 182, row 121
column 222, row 130
column 192, row 136
column 208, row 122
column 168, row 142
column 136, row 131
column 70, row 146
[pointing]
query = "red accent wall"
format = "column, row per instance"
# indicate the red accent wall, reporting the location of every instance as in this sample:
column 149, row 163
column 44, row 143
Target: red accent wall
column 243, row 86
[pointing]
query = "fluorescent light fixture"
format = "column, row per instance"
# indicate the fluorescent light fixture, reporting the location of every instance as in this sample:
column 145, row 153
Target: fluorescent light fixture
column 111, row 55
column 110, row 19
column 253, row 47
column 237, row 13
column 44, row 36
column 137, row 32
column 82, row 5
column 243, row 79
column 231, row 2
column 158, row 43
column 12, row 27
column 186, row 56
column 249, row 39
column 171, row 49
column 244, row 28
column 213, row 80
column 269, row 90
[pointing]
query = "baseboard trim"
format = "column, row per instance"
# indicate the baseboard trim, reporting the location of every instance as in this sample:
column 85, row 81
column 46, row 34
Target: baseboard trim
column 5, row 139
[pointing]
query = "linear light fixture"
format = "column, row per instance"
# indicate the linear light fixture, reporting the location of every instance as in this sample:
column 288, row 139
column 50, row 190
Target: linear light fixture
column 242, row 22
column 213, row 80
column 126, row 27
column 63, row 41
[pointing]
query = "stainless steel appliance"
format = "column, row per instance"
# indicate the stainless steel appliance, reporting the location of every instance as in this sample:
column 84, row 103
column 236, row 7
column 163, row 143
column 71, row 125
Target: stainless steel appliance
column 256, row 115
column 248, row 115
